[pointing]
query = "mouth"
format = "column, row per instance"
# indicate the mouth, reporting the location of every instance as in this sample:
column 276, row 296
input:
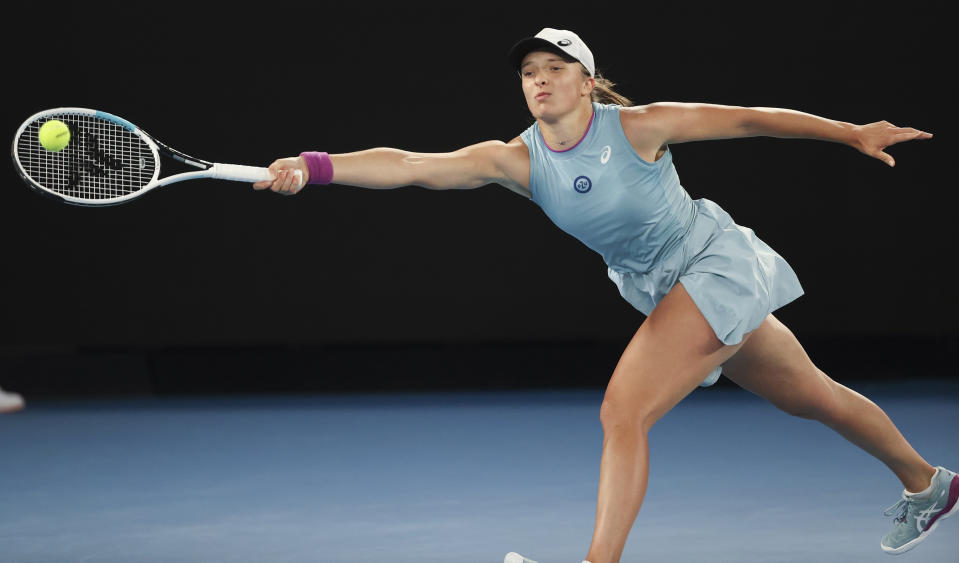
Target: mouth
column 542, row 95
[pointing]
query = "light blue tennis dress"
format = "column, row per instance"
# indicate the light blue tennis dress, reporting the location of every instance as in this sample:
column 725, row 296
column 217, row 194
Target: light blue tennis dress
column 652, row 234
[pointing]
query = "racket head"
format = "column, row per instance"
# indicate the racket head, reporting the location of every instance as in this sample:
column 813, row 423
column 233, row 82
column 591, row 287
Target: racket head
column 107, row 161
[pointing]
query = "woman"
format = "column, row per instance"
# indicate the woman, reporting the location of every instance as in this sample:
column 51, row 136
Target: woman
column 603, row 172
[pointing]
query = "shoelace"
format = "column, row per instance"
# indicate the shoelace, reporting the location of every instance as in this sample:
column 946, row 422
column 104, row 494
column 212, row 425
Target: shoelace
column 903, row 506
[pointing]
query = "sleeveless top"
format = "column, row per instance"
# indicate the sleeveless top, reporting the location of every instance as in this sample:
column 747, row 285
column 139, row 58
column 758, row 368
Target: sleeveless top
column 651, row 234
column 632, row 212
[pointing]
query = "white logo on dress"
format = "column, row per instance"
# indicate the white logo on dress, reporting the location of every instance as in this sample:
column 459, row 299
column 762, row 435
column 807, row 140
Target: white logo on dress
column 604, row 158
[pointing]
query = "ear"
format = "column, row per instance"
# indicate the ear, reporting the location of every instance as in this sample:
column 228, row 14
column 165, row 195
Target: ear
column 588, row 85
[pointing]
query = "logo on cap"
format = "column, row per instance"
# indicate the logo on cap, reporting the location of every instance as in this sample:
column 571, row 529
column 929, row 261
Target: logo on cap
column 564, row 42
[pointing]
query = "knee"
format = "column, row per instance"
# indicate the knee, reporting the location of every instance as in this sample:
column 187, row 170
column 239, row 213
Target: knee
column 616, row 416
column 814, row 402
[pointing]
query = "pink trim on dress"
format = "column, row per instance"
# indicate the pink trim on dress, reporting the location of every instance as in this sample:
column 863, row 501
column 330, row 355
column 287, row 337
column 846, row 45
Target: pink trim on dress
column 588, row 125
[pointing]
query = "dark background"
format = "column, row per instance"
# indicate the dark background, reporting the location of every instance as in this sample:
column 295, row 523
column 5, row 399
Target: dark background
column 208, row 286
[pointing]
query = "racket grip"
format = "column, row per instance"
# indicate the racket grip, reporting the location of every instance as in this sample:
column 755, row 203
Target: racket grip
column 240, row 173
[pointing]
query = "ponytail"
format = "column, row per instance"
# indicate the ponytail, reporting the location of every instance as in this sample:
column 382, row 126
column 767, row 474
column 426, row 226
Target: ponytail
column 603, row 91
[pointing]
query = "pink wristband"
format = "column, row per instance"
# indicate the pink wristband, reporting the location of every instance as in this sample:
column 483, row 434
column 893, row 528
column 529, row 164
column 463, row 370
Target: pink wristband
column 320, row 167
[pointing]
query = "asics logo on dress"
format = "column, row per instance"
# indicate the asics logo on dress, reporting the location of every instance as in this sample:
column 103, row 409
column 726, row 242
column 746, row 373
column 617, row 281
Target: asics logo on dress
column 604, row 158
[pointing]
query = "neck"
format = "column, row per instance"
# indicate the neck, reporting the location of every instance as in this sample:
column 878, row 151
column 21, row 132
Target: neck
column 565, row 131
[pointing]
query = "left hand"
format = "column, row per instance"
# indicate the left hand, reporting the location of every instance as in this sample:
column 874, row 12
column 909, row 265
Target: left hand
column 871, row 139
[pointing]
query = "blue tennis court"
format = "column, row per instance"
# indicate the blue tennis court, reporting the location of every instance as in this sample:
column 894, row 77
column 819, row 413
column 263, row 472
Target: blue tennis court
column 447, row 477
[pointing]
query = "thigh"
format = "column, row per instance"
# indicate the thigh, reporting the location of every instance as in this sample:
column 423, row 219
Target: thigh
column 774, row 365
column 669, row 356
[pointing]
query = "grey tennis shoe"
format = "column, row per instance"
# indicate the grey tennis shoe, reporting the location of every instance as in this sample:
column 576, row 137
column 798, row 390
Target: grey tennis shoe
column 916, row 518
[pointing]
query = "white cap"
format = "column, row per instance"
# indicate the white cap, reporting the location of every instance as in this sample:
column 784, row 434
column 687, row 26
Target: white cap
column 560, row 41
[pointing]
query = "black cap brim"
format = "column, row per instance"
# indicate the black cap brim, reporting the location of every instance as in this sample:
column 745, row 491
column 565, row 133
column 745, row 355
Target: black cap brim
column 525, row 46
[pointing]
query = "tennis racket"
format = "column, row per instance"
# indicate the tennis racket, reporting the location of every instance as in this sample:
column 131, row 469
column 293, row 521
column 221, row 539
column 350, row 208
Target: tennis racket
column 107, row 161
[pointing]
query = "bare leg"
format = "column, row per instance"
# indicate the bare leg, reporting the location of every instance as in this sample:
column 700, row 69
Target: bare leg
column 623, row 476
column 863, row 423
column 774, row 365
column 670, row 355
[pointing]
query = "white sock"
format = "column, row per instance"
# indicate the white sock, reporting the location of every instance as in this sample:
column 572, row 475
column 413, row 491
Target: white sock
column 928, row 491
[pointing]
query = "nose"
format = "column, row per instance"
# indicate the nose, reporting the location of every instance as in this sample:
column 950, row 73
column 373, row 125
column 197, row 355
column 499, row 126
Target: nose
column 539, row 77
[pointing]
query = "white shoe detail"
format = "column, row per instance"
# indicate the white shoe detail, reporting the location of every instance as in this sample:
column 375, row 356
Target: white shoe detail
column 924, row 517
column 513, row 557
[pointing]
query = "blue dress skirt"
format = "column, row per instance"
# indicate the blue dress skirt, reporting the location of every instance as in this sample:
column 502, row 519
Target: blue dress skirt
column 734, row 277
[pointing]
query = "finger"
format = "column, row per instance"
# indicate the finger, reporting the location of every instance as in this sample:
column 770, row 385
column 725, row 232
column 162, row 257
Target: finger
column 287, row 187
column 290, row 181
column 909, row 136
column 912, row 134
column 264, row 184
column 886, row 158
column 278, row 183
column 285, row 184
column 297, row 180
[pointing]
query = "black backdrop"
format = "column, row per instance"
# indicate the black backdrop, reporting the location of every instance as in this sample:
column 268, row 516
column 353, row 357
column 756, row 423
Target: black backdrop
column 206, row 281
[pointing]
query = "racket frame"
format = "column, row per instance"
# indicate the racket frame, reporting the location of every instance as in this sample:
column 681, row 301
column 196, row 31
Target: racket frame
column 206, row 169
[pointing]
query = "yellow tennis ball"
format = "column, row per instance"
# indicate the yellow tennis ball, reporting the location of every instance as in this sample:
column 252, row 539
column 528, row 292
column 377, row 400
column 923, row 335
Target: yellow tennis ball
column 54, row 135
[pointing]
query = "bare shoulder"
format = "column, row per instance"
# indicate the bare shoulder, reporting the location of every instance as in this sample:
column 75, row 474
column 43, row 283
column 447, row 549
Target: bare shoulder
column 494, row 162
column 644, row 128
column 652, row 115
column 512, row 160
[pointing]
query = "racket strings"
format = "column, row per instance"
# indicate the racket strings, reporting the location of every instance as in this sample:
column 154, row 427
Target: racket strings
column 103, row 159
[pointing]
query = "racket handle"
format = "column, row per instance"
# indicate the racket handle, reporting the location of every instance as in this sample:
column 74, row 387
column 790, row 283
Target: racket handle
column 240, row 173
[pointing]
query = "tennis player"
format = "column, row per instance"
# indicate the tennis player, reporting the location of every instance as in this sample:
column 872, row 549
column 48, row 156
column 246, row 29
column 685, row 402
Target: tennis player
column 602, row 170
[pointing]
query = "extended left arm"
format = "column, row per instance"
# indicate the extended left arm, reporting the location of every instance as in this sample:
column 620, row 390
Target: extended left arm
column 792, row 124
column 681, row 122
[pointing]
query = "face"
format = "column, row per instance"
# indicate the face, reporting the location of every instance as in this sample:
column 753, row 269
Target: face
column 552, row 86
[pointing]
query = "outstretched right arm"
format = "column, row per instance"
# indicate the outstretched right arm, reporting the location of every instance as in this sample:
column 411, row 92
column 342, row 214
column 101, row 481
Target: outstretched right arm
column 386, row 168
